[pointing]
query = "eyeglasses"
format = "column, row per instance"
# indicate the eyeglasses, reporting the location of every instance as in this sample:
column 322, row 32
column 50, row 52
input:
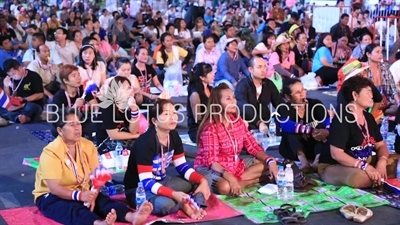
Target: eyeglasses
column 300, row 92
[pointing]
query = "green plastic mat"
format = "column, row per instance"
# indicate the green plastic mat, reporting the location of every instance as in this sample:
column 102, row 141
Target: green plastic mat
column 34, row 163
column 259, row 207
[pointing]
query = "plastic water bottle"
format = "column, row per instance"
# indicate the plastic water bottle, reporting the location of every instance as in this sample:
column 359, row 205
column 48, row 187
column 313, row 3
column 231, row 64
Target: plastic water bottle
column 140, row 195
column 384, row 128
column 272, row 130
column 398, row 170
column 281, row 182
column 289, row 181
column 119, row 160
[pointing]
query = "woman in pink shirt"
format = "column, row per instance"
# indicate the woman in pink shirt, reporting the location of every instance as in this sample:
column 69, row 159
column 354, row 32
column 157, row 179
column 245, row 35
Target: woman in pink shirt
column 282, row 60
column 221, row 138
column 209, row 54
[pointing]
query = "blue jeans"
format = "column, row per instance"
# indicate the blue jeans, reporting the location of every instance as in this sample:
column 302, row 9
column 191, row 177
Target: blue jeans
column 31, row 110
column 162, row 205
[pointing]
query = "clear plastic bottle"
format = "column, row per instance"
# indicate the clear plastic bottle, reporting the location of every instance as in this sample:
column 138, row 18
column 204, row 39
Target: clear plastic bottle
column 119, row 151
column 289, row 181
column 398, row 170
column 281, row 182
column 272, row 130
column 384, row 128
column 140, row 195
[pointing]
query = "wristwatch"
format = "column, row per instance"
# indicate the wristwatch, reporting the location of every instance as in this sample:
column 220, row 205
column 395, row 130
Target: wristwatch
column 24, row 100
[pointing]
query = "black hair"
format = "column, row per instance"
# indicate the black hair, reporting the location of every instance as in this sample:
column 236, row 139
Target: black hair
column 169, row 25
column 157, row 109
column 3, row 38
column 252, row 59
column 151, row 22
column 287, row 85
column 63, row 30
column 11, row 64
column 208, row 37
column 397, row 55
column 298, row 35
column 61, row 116
column 367, row 33
column 320, row 42
column 265, row 37
column 81, row 63
column 295, row 16
column 354, row 84
column 196, row 84
column 38, row 47
column 86, row 21
column 122, row 60
column 164, row 55
column 344, row 15
column 227, row 26
column 86, row 40
column 275, row 2
column 120, row 79
column 74, row 33
column 368, row 49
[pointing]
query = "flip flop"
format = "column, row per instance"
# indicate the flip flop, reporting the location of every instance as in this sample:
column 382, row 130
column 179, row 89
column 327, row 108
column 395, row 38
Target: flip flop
column 348, row 211
column 289, row 221
column 292, row 212
column 362, row 214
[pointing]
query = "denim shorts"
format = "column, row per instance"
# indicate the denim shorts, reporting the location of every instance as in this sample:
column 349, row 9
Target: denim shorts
column 213, row 177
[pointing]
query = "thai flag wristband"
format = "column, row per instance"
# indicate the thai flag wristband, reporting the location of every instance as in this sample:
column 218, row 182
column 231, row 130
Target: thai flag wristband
column 364, row 165
column 76, row 196
column 269, row 161
column 135, row 114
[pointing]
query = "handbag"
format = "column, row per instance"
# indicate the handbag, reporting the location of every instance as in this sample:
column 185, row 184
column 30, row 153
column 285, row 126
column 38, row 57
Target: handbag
column 301, row 182
column 276, row 78
column 109, row 145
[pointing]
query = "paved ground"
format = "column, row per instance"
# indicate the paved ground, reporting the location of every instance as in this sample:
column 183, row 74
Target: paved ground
column 16, row 180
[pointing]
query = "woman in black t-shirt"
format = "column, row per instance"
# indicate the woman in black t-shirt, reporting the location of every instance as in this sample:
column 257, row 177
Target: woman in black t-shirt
column 156, row 149
column 199, row 91
column 146, row 76
column 305, row 123
column 118, row 118
column 72, row 94
column 303, row 53
column 353, row 136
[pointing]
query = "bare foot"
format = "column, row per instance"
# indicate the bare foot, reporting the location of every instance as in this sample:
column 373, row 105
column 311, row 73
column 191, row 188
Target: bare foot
column 192, row 213
column 24, row 119
column 140, row 216
column 111, row 217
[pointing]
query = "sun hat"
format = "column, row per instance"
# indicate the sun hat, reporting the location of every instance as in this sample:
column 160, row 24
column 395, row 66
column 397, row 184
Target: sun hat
column 353, row 68
column 293, row 28
column 230, row 40
column 281, row 39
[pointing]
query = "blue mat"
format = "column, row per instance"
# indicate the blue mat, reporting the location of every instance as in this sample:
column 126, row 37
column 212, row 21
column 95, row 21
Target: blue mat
column 43, row 135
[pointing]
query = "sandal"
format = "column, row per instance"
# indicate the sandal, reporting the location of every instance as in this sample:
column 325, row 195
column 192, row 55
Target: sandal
column 288, row 211
column 362, row 214
column 348, row 211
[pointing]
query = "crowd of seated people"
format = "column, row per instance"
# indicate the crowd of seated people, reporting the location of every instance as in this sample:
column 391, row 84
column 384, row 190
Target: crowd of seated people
column 231, row 75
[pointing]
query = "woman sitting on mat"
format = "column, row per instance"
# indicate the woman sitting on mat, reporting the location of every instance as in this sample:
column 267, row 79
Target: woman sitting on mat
column 72, row 94
column 118, row 116
column 305, row 123
column 222, row 136
column 63, row 185
column 199, row 90
column 153, row 152
column 353, row 135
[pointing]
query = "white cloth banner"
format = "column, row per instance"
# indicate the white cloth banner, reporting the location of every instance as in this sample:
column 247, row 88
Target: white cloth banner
column 111, row 5
column 324, row 18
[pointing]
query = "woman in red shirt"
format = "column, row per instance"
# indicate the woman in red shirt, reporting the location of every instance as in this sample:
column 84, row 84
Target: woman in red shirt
column 222, row 136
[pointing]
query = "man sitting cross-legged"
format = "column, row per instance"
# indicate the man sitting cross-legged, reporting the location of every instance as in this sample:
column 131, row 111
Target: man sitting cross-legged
column 26, row 86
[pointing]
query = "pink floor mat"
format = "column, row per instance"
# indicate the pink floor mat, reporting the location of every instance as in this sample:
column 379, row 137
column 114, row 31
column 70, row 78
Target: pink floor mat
column 216, row 210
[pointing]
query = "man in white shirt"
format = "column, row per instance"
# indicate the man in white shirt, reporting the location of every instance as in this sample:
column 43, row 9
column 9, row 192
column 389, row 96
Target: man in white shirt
column 31, row 54
column 67, row 50
column 104, row 19
column 87, row 28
